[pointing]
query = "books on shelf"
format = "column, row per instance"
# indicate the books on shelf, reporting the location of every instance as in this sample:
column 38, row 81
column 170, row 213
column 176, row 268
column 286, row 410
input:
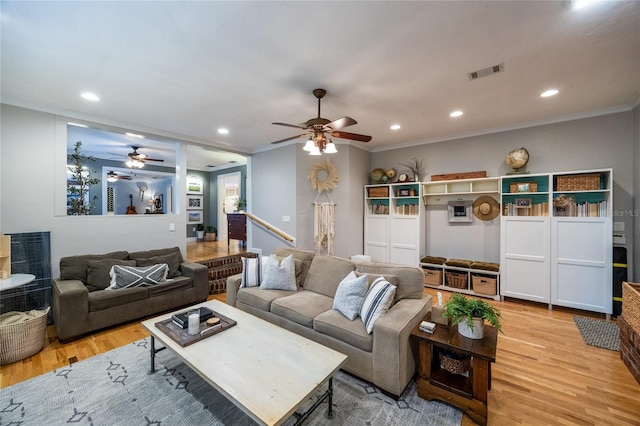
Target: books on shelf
column 378, row 209
column 407, row 209
column 586, row 209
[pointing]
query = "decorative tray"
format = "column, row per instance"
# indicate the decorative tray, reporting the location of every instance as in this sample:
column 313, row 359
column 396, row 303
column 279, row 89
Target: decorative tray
column 183, row 338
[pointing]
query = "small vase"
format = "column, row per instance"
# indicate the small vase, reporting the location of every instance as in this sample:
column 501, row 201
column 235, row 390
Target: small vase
column 476, row 333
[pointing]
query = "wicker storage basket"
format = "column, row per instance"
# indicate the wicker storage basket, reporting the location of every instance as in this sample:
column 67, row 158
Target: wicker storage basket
column 484, row 284
column 455, row 363
column 586, row 182
column 457, row 280
column 432, row 276
column 23, row 339
column 518, row 187
column 378, row 191
column 631, row 305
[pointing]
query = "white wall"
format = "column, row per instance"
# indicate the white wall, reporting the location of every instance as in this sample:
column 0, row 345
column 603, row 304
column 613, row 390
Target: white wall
column 598, row 142
column 635, row 260
column 27, row 197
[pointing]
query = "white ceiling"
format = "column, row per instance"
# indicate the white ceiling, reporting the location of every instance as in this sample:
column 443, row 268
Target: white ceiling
column 184, row 69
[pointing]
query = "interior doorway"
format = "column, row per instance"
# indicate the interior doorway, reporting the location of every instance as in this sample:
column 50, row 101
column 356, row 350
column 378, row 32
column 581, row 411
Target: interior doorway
column 228, row 194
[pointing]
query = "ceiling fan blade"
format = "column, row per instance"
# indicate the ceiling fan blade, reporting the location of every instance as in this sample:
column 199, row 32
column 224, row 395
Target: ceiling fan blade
column 150, row 159
column 352, row 136
column 289, row 138
column 340, row 123
column 297, row 126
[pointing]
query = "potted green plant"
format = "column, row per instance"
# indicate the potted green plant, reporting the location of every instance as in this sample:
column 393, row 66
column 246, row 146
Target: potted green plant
column 470, row 314
column 241, row 204
column 200, row 232
column 211, row 233
column 78, row 184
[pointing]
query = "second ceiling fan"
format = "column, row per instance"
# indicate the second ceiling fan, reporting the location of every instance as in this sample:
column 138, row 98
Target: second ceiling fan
column 317, row 129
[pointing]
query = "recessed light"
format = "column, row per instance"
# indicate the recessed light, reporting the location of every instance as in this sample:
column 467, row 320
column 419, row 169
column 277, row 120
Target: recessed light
column 395, row 127
column 547, row 93
column 223, row 131
column 90, row 96
column 134, row 135
column 456, row 114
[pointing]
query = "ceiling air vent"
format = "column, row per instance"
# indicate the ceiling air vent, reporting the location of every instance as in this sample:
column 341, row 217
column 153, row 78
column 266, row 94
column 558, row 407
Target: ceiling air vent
column 486, row 71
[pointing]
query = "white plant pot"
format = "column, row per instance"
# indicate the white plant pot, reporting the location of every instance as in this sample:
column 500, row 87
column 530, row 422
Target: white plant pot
column 476, row 333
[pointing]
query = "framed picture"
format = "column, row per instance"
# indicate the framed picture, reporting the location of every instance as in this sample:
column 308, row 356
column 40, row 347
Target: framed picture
column 194, row 202
column 194, row 185
column 460, row 211
column 522, row 203
column 194, row 216
column 403, row 192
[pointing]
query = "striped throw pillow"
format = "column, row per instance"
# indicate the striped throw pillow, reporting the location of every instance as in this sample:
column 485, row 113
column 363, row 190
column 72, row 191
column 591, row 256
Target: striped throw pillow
column 251, row 272
column 377, row 302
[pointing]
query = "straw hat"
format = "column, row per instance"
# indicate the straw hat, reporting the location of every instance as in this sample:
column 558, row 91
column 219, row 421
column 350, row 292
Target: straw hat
column 486, row 208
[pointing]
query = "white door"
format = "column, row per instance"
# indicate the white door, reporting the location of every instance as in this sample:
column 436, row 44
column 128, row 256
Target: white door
column 228, row 193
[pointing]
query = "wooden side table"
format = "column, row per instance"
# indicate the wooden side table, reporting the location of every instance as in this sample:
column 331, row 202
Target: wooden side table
column 467, row 393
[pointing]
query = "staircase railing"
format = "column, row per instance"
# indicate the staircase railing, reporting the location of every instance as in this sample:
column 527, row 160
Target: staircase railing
column 270, row 227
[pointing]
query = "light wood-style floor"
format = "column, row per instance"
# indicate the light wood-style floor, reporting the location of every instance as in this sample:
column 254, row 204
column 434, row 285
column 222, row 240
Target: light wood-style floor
column 544, row 374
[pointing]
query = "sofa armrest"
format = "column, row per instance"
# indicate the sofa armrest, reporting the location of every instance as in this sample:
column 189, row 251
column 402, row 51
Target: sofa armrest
column 393, row 361
column 70, row 308
column 233, row 284
column 199, row 275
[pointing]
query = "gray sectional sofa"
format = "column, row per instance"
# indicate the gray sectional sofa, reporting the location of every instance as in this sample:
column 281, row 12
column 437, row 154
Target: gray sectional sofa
column 385, row 357
column 81, row 302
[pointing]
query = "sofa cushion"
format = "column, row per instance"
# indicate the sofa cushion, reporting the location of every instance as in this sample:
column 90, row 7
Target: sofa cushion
column 156, row 252
column 410, row 280
column 279, row 275
column 325, row 273
column 173, row 284
column 302, row 307
column 105, row 299
column 334, row 324
column 171, row 259
column 98, row 277
column 75, row 267
column 377, row 302
column 137, row 276
column 350, row 295
column 260, row 299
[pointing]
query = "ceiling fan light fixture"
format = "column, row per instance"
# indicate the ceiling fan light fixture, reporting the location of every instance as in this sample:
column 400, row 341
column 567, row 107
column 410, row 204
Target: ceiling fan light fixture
column 310, row 145
column 330, row 148
column 315, row 151
column 135, row 164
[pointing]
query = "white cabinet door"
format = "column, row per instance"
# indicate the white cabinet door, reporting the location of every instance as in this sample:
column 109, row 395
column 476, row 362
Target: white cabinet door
column 376, row 237
column 581, row 269
column 524, row 253
column 405, row 240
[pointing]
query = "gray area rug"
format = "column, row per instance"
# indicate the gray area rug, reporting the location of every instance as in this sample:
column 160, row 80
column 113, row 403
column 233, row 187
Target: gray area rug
column 114, row 389
column 603, row 334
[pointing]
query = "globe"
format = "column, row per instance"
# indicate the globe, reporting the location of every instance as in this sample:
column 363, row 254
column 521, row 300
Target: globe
column 517, row 159
column 376, row 175
column 391, row 173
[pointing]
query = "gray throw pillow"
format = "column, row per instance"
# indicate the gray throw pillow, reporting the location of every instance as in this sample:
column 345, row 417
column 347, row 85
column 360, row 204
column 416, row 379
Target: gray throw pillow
column 136, row 276
column 350, row 295
column 279, row 275
column 98, row 277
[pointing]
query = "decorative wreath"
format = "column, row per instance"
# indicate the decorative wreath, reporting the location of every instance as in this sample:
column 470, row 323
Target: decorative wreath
column 331, row 180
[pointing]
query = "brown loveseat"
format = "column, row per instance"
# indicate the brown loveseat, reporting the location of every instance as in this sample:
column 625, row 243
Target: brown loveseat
column 81, row 304
column 385, row 356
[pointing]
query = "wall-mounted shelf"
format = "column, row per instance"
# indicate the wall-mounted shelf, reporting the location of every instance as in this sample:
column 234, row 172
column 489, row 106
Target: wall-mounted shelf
column 440, row 192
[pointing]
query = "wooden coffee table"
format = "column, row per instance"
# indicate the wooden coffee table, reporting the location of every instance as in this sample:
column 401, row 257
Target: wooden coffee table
column 265, row 370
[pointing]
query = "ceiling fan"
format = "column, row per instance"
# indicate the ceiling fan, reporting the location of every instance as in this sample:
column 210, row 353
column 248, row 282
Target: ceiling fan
column 136, row 159
column 113, row 176
column 316, row 129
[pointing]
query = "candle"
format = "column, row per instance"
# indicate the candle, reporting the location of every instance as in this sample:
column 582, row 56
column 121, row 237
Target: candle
column 194, row 322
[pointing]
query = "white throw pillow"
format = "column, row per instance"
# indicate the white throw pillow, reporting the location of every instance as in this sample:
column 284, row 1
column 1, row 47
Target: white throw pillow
column 279, row 275
column 377, row 302
column 137, row 276
column 350, row 295
column 251, row 272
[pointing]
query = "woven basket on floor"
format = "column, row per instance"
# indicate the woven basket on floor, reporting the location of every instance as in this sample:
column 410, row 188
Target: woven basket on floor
column 23, row 339
column 631, row 305
column 457, row 280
